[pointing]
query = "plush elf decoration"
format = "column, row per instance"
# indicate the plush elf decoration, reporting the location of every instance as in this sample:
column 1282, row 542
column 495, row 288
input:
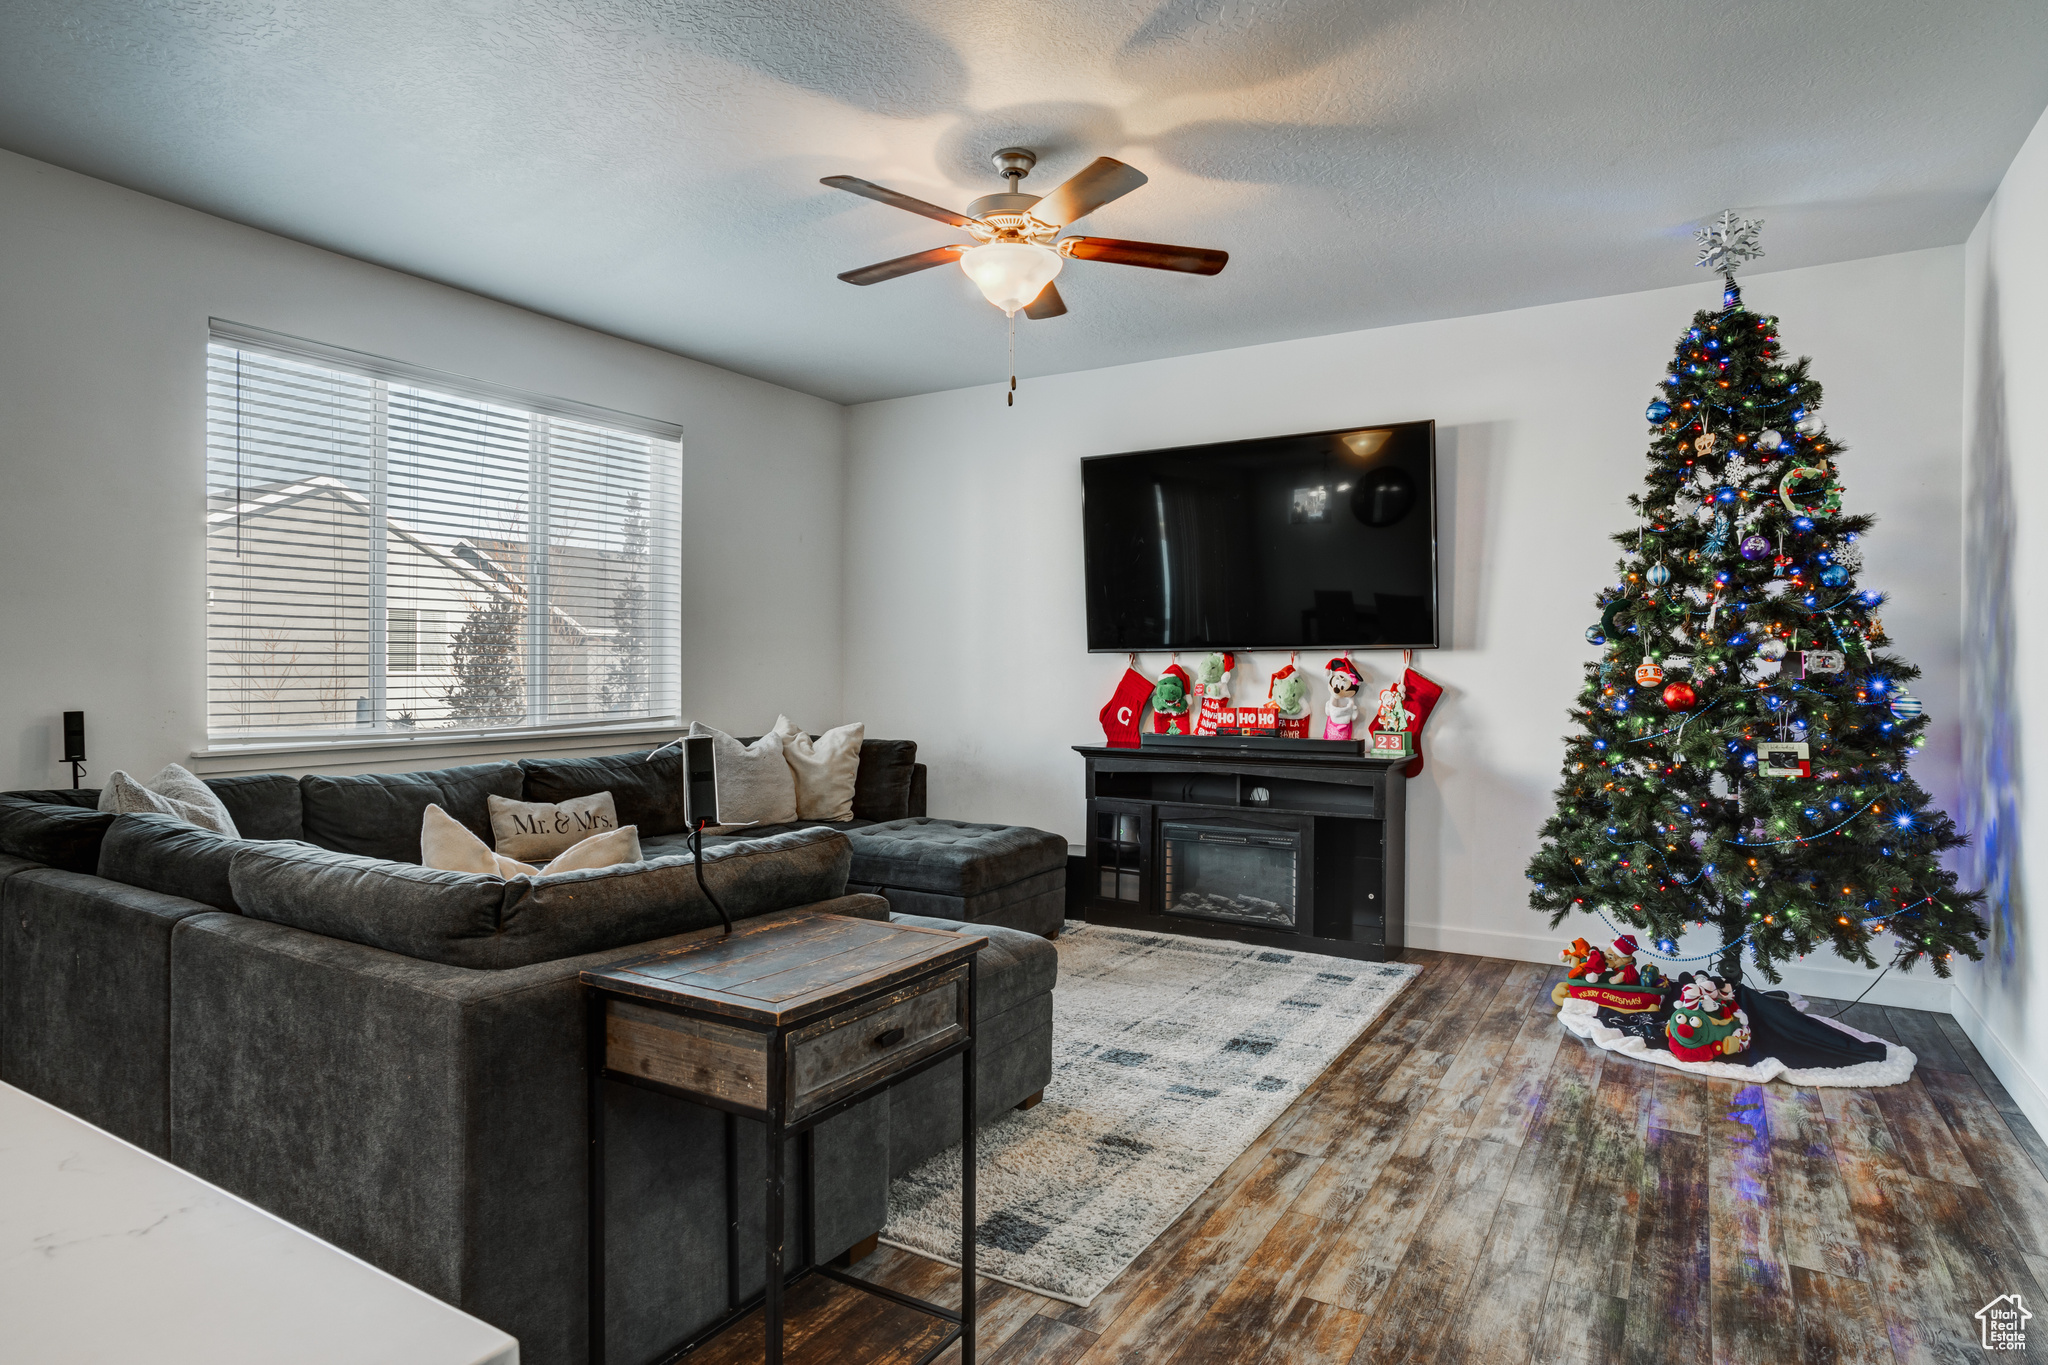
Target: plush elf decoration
column 1171, row 702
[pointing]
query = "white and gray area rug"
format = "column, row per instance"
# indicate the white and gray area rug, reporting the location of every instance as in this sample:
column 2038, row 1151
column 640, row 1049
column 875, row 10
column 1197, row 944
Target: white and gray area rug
column 1170, row 1056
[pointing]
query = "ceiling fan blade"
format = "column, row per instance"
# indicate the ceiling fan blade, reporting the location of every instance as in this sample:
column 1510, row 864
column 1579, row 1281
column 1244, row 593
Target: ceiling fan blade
column 903, row 265
column 1094, row 185
column 1048, row 304
column 867, row 189
column 1194, row 260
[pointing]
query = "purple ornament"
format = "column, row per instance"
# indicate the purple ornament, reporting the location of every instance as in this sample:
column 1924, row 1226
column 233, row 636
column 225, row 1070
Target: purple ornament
column 1754, row 547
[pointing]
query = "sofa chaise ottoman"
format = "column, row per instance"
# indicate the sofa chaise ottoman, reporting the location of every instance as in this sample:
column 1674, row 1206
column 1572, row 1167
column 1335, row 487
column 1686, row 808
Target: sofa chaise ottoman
column 951, row 870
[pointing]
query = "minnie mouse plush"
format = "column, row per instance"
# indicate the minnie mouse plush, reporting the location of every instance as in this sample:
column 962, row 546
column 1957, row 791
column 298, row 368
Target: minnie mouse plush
column 1342, row 709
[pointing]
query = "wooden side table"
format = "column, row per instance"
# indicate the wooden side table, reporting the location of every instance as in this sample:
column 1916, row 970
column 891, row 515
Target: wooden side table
column 790, row 1020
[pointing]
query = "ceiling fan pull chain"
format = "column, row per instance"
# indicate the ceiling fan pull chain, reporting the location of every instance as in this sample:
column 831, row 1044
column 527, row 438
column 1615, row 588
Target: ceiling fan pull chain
column 1010, row 398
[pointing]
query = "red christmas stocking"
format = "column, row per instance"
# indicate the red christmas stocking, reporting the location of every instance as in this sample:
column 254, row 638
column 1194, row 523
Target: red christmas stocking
column 1120, row 716
column 1421, row 700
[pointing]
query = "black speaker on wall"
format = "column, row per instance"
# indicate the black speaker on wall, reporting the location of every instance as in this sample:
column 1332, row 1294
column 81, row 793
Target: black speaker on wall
column 74, row 743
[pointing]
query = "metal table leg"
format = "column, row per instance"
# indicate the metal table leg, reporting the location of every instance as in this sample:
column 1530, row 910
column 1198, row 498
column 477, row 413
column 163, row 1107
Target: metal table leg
column 970, row 1157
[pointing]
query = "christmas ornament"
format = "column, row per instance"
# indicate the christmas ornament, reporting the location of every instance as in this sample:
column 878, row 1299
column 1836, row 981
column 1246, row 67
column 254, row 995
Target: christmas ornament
column 1829, row 499
column 1819, row 663
column 1648, row 675
column 1341, row 711
column 1594, row 637
column 1706, row 443
column 1658, row 575
column 1834, row 576
column 1125, row 705
column 1657, row 411
column 1680, row 696
column 1727, row 244
column 1172, row 699
column 1773, row 649
column 1782, row 758
column 1905, row 706
column 1769, row 440
column 1782, row 565
column 1717, row 538
column 1754, row 547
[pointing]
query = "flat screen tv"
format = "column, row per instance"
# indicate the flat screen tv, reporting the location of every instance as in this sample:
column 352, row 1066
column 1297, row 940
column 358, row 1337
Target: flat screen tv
column 1325, row 540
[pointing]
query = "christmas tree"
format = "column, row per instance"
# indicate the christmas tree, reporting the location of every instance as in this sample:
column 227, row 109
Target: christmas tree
column 1741, row 743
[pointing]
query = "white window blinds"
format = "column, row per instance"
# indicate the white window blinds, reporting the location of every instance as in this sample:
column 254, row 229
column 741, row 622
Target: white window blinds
column 389, row 550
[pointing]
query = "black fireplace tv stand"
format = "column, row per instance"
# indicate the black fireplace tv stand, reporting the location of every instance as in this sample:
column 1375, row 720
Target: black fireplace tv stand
column 1303, row 850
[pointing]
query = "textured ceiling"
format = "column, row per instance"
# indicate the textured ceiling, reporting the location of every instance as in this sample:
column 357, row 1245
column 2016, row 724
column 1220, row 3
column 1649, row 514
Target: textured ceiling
column 651, row 168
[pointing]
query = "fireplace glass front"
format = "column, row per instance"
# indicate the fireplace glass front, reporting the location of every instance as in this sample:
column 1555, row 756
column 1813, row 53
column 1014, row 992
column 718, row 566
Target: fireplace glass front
column 1243, row 874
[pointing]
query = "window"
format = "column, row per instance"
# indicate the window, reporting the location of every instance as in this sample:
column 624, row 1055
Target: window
column 391, row 550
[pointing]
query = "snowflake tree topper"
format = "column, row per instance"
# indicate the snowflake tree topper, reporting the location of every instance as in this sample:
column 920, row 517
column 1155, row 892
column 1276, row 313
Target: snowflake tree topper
column 1728, row 243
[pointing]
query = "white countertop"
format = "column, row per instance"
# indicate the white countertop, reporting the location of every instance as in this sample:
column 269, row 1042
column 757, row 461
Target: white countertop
column 110, row 1254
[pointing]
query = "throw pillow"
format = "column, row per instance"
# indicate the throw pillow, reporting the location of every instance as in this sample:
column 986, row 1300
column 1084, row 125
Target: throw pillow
column 447, row 846
column 824, row 768
column 175, row 792
column 755, row 785
column 610, row 849
column 541, row 829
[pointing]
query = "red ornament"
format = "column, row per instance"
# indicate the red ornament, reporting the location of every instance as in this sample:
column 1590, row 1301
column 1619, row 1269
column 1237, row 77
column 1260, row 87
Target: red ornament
column 1680, row 696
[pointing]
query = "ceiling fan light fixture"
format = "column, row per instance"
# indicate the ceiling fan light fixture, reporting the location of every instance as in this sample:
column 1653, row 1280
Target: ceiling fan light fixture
column 1011, row 274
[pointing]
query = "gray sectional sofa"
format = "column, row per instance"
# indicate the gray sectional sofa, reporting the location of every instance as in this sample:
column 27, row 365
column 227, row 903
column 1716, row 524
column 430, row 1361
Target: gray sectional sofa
column 393, row 1057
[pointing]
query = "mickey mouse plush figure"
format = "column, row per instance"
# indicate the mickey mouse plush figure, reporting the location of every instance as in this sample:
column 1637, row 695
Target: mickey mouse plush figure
column 1341, row 711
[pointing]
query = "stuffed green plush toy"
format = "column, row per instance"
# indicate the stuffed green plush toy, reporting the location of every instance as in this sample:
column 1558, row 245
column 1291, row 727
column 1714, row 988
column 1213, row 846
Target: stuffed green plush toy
column 1169, row 698
column 1214, row 676
column 1290, row 696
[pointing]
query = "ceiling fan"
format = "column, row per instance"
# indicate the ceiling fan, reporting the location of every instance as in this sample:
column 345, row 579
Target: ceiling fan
column 1017, row 248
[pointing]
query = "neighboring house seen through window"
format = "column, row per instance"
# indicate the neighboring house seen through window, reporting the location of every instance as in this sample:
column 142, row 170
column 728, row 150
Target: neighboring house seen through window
column 392, row 550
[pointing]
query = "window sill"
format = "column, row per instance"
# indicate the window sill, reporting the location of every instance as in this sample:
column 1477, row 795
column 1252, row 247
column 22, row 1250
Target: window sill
column 385, row 751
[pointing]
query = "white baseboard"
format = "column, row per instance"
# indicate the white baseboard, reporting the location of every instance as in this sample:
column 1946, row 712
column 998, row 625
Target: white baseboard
column 2028, row 1093
column 1919, row 990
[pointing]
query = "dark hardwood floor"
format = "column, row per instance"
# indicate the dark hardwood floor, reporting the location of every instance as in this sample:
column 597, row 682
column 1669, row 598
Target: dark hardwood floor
column 1470, row 1183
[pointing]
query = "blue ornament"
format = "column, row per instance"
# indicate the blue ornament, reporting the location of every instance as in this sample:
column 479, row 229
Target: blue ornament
column 1905, row 706
column 1657, row 411
column 1754, row 547
column 1594, row 637
column 1659, row 575
column 1835, row 576
column 1717, row 538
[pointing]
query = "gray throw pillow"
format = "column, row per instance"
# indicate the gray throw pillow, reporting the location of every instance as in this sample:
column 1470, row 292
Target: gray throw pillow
column 173, row 792
column 755, row 785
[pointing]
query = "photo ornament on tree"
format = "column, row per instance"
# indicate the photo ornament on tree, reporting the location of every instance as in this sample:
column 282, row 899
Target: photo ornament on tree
column 1763, row 810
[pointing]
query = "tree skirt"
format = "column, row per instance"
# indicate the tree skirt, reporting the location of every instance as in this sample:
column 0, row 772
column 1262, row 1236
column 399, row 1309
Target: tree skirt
column 1170, row 1056
column 1580, row 1017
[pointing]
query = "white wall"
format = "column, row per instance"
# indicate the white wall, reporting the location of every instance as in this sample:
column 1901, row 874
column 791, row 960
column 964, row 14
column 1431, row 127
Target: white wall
column 965, row 626
column 2005, row 443
column 104, row 299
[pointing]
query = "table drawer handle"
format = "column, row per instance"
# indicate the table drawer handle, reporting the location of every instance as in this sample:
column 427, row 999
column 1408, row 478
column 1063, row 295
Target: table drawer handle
column 889, row 1037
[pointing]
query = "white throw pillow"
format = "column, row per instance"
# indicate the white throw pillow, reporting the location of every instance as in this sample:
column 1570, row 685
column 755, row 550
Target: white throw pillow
column 541, row 829
column 174, row 792
column 600, row 850
column 755, row 785
column 447, row 844
column 824, row 768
